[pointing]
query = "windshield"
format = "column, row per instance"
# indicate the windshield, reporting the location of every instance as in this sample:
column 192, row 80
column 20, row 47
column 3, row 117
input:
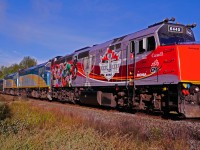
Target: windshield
column 169, row 34
column 167, row 39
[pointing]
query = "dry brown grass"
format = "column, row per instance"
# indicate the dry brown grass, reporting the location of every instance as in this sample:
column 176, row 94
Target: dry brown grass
column 31, row 127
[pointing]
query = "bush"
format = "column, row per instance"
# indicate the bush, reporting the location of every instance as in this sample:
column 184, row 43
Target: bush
column 4, row 111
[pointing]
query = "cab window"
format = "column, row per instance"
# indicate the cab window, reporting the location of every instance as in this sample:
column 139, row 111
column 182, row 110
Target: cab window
column 151, row 44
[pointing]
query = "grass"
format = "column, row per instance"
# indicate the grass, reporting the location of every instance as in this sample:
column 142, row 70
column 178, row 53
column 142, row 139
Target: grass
column 29, row 127
column 4, row 111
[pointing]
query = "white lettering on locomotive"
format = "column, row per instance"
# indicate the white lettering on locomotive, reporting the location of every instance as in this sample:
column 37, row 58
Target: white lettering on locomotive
column 175, row 29
column 141, row 74
column 157, row 55
column 110, row 64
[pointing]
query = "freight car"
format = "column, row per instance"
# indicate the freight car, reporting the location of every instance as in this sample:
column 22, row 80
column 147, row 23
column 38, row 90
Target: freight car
column 154, row 69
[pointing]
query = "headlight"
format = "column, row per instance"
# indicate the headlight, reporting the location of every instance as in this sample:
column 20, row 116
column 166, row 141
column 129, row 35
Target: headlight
column 196, row 89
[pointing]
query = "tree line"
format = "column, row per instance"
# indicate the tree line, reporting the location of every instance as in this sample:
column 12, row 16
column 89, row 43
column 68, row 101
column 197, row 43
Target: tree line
column 26, row 62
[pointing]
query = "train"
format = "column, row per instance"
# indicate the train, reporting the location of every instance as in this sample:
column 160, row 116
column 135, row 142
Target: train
column 154, row 69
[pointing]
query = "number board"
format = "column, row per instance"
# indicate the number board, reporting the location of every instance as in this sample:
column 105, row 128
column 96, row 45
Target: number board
column 176, row 29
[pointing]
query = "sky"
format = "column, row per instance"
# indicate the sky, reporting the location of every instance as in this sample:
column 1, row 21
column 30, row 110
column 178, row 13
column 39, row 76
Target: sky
column 43, row 29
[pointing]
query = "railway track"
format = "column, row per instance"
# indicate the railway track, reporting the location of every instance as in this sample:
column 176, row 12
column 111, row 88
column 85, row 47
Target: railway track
column 138, row 114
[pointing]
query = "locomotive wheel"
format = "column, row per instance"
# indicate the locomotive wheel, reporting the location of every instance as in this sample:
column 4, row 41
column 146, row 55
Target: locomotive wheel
column 181, row 116
column 198, row 98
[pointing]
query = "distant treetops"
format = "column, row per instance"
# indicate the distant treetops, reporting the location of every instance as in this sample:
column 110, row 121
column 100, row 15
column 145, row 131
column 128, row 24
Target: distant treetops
column 26, row 62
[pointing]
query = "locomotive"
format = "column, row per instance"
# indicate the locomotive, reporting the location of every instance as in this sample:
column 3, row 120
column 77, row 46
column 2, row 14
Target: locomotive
column 154, row 69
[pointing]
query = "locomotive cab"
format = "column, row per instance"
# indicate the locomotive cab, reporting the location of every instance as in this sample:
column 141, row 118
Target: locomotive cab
column 186, row 55
column 165, row 63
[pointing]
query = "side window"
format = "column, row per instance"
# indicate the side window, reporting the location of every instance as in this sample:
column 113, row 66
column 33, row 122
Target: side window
column 118, row 46
column 151, row 44
column 141, row 49
column 132, row 47
column 41, row 70
column 112, row 47
column 83, row 54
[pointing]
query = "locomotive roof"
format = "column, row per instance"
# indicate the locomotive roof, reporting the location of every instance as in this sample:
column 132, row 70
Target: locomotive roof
column 10, row 75
column 152, row 29
column 70, row 56
column 84, row 48
column 141, row 33
column 34, row 67
column 38, row 66
column 144, row 32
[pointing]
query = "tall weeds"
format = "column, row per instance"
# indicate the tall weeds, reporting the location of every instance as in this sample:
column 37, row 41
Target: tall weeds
column 31, row 127
column 4, row 111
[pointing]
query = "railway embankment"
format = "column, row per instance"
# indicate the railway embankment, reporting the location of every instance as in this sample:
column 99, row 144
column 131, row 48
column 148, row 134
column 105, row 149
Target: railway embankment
column 35, row 124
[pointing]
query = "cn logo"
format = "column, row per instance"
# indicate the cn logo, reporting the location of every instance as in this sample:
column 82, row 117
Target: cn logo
column 154, row 69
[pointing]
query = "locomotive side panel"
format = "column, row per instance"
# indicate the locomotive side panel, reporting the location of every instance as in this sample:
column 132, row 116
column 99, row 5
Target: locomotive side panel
column 156, row 67
column 35, row 81
column 10, row 83
column 104, row 66
column 33, row 77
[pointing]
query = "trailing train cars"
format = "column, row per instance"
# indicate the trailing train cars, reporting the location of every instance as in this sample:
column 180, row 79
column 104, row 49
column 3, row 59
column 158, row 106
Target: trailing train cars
column 35, row 81
column 154, row 69
column 10, row 84
column 1, row 86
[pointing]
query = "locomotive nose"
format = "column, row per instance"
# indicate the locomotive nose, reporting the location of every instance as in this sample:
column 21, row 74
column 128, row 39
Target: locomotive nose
column 192, row 109
column 198, row 99
column 190, row 103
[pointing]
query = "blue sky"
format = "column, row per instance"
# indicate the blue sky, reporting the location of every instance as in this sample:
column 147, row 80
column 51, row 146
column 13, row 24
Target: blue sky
column 44, row 29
